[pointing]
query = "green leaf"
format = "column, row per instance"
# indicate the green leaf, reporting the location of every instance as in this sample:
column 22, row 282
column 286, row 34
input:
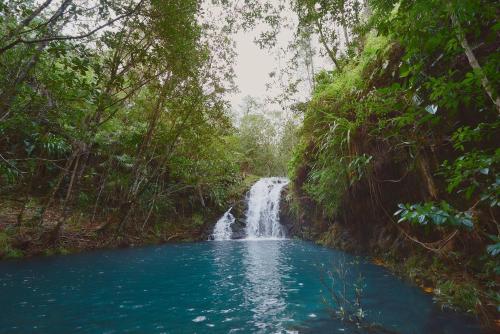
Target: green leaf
column 494, row 249
column 484, row 171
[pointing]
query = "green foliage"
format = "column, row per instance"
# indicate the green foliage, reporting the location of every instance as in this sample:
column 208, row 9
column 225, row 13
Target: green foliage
column 409, row 100
column 6, row 249
column 358, row 166
column 464, row 296
column 474, row 171
column 197, row 219
column 412, row 103
column 336, row 112
column 257, row 149
column 440, row 215
column 494, row 249
column 264, row 140
column 132, row 114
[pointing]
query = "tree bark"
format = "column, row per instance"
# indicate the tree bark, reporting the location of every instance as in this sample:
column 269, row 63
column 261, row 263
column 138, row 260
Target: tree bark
column 473, row 60
column 427, row 176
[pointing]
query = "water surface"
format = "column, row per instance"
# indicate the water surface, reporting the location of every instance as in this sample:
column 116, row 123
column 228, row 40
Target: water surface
column 265, row 286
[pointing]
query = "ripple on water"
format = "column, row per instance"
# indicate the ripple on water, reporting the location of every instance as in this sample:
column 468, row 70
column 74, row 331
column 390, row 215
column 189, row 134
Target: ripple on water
column 237, row 287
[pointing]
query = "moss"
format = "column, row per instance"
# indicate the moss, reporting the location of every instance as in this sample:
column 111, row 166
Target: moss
column 13, row 253
column 197, row 219
column 6, row 249
column 351, row 78
column 63, row 251
column 412, row 267
column 49, row 252
column 328, row 238
column 56, row 251
column 432, row 275
column 240, row 188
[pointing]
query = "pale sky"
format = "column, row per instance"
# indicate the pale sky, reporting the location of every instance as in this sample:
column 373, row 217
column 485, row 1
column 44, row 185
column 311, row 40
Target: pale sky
column 253, row 65
column 252, row 68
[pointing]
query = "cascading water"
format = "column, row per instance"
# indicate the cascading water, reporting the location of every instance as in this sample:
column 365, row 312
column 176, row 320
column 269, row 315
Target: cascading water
column 262, row 218
column 222, row 230
column 263, row 209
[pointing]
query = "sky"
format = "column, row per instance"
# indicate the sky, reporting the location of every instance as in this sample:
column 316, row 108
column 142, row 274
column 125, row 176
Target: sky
column 252, row 68
column 253, row 65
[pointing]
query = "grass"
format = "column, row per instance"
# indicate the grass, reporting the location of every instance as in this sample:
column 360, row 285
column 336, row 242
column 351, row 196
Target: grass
column 462, row 295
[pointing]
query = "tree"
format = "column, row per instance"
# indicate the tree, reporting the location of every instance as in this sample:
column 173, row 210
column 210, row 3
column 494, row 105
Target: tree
column 111, row 111
column 326, row 18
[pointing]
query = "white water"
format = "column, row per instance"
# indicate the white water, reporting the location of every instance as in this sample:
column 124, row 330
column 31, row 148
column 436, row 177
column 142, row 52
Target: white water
column 222, row 230
column 263, row 209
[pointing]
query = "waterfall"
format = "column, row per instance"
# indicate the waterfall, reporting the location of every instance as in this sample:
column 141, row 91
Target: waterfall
column 262, row 217
column 222, row 229
column 263, row 209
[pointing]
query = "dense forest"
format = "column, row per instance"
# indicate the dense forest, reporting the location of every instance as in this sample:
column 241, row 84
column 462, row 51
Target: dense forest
column 115, row 129
column 114, row 123
column 398, row 152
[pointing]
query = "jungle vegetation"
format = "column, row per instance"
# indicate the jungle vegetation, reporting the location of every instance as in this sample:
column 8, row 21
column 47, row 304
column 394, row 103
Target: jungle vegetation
column 115, row 126
column 399, row 150
column 114, row 122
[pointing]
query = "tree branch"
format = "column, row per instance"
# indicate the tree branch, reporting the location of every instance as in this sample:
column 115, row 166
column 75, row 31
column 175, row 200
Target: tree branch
column 65, row 38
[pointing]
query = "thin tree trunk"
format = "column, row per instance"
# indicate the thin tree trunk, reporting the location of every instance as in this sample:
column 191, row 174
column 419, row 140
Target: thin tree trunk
column 101, row 188
column 200, row 194
column 344, row 28
column 9, row 94
column 427, row 176
column 45, row 39
column 28, row 19
column 54, row 234
column 152, row 205
column 72, row 180
column 329, row 51
column 61, row 177
column 133, row 192
column 473, row 60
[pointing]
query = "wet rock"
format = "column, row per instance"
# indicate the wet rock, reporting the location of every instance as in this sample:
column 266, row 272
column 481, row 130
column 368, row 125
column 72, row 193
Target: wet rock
column 238, row 229
column 287, row 218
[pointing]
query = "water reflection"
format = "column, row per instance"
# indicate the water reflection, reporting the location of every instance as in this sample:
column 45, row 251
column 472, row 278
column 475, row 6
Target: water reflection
column 264, row 293
column 214, row 287
column 224, row 260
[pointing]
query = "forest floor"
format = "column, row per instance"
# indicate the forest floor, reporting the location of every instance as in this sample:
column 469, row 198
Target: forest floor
column 22, row 234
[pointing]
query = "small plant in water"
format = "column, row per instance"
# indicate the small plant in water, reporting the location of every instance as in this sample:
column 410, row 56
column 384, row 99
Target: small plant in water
column 343, row 296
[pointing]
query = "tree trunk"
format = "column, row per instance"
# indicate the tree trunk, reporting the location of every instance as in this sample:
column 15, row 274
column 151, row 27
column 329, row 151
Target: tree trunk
column 427, row 176
column 61, row 177
column 128, row 204
column 473, row 60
